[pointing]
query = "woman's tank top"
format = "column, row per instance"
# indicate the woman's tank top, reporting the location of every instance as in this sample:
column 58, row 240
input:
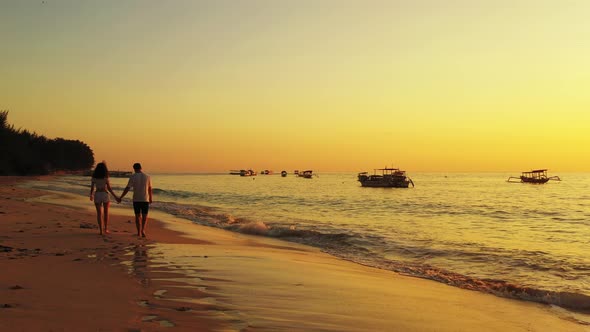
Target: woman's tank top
column 101, row 184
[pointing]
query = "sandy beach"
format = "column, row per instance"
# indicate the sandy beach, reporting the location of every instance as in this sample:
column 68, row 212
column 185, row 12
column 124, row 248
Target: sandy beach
column 58, row 274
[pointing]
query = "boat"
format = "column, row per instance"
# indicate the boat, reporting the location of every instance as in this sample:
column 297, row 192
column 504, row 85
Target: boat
column 112, row 174
column 247, row 172
column 235, row 172
column 120, row 174
column 283, row 173
column 537, row 176
column 389, row 178
column 308, row 174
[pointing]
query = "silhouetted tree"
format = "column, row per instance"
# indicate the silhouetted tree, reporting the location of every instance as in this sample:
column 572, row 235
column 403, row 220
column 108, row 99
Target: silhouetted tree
column 26, row 153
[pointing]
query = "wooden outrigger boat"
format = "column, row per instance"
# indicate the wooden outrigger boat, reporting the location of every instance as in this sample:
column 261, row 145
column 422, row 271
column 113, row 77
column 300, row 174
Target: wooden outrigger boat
column 537, row 176
column 389, row 178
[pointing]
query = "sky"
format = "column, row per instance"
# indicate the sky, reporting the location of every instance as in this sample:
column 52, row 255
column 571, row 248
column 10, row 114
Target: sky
column 209, row 86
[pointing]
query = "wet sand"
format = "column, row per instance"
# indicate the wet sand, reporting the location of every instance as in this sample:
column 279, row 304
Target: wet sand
column 59, row 274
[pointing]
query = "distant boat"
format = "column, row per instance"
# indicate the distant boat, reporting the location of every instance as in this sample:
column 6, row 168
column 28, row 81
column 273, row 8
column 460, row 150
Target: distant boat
column 284, row 173
column 389, row 178
column 248, row 172
column 120, row 174
column 308, row 174
column 112, row 174
column 538, row 176
column 235, row 172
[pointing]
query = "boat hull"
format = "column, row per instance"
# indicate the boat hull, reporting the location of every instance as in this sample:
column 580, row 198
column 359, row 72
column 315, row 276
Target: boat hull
column 533, row 181
column 375, row 184
column 384, row 182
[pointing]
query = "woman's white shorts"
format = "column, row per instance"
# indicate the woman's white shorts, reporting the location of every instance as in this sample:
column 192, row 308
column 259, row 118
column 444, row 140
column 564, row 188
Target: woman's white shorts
column 101, row 197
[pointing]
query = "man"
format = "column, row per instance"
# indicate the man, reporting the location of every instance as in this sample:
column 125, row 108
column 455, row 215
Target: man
column 142, row 197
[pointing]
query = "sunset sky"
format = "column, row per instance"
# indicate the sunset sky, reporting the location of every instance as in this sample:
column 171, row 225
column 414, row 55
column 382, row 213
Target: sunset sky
column 196, row 86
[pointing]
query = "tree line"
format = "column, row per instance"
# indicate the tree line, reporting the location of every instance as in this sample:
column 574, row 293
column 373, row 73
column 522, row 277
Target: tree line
column 26, row 153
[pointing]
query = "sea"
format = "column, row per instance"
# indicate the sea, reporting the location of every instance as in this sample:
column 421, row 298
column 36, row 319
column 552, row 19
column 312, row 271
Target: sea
column 469, row 230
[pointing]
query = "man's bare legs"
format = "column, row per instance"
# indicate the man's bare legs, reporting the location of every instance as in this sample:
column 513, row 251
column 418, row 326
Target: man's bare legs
column 99, row 216
column 106, row 217
column 140, row 226
column 143, row 223
column 137, row 225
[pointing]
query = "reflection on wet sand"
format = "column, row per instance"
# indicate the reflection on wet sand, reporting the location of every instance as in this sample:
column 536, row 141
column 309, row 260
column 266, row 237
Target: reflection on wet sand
column 138, row 266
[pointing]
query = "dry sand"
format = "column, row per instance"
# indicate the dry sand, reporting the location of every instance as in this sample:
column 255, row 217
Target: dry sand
column 195, row 278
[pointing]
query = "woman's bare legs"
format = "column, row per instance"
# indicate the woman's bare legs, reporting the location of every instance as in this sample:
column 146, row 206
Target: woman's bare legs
column 99, row 216
column 106, row 217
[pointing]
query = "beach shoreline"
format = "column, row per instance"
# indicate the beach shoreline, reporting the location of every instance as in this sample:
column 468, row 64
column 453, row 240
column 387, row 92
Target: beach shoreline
column 60, row 274
column 252, row 282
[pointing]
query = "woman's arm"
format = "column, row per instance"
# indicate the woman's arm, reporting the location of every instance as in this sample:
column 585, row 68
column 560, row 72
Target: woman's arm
column 111, row 190
column 92, row 190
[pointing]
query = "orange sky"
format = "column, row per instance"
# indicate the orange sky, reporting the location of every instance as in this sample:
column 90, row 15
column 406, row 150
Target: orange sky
column 194, row 86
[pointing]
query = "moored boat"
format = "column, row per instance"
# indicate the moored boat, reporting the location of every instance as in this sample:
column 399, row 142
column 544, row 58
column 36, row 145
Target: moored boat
column 248, row 172
column 113, row 174
column 308, row 174
column 389, row 178
column 537, row 176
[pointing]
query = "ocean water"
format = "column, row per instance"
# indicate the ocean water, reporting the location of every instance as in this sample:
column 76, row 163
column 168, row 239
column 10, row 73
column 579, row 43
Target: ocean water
column 469, row 230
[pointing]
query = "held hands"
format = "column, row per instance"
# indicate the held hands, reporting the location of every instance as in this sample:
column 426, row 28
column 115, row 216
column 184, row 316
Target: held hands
column 118, row 199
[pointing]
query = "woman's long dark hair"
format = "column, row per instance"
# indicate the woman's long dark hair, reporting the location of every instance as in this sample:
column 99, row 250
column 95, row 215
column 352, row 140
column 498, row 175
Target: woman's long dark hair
column 101, row 171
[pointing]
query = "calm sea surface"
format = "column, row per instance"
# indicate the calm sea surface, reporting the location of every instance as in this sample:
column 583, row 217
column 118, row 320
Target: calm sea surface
column 470, row 230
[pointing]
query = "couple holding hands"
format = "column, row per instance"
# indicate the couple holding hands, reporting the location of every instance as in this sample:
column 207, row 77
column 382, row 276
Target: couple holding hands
column 141, row 184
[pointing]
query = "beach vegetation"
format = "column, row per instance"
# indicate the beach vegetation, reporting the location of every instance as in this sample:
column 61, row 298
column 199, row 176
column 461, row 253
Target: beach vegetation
column 27, row 153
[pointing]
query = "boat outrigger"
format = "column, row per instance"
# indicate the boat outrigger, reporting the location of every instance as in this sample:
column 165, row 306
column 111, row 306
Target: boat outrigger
column 389, row 178
column 537, row 176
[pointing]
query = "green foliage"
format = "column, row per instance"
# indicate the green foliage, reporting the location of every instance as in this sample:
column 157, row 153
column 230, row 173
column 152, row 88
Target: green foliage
column 26, row 153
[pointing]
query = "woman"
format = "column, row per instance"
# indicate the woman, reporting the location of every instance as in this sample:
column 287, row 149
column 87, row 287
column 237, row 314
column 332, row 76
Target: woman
column 100, row 179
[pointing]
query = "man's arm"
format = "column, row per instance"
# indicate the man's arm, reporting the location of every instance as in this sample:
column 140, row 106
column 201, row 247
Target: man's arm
column 124, row 193
column 129, row 183
column 150, row 193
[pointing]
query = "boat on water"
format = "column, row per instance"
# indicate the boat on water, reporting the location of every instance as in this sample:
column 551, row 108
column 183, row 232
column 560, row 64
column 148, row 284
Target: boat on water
column 112, row 174
column 308, row 174
column 247, row 172
column 537, row 176
column 389, row 178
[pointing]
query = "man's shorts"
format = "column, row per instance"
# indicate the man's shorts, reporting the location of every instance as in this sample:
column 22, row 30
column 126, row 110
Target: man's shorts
column 141, row 207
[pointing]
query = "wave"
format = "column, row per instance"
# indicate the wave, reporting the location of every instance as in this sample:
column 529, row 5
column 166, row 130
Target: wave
column 349, row 246
column 569, row 300
column 395, row 253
